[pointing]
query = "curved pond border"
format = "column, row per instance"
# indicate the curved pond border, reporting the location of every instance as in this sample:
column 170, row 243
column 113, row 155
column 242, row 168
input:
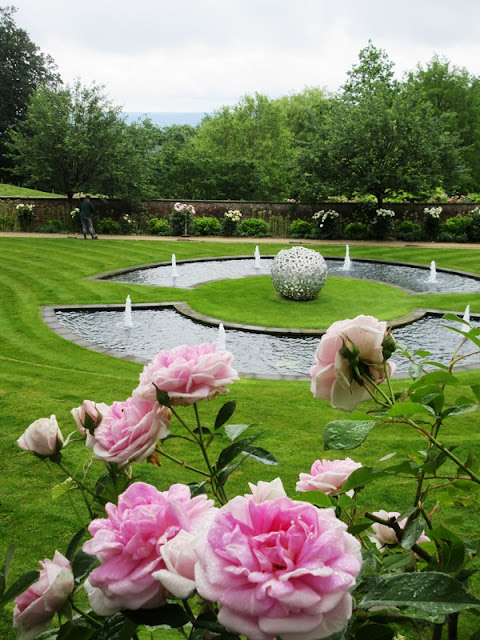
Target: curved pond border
column 50, row 318
column 165, row 263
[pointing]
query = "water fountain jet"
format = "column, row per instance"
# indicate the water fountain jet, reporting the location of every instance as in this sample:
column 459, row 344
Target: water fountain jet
column 174, row 266
column 433, row 272
column 221, row 338
column 347, row 264
column 257, row 258
column 127, row 314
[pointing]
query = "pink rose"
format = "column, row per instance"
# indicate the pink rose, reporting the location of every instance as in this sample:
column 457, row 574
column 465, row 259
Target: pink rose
column 179, row 556
column 90, row 409
column 35, row 607
column 129, row 431
column 129, row 541
column 333, row 375
column 188, row 374
column 384, row 535
column 42, row 437
column 327, row 476
column 278, row 568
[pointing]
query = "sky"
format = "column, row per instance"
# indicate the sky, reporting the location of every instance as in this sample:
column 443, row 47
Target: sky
column 199, row 55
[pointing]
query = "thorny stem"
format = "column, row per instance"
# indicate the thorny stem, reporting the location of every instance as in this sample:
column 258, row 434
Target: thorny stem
column 91, row 620
column 219, row 491
column 75, row 479
column 180, row 462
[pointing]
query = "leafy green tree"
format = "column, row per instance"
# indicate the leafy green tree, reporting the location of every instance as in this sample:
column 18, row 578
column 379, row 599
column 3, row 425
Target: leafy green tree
column 256, row 131
column 74, row 139
column 374, row 71
column 23, row 68
column 454, row 95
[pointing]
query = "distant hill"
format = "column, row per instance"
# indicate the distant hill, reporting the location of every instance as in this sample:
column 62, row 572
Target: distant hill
column 167, row 118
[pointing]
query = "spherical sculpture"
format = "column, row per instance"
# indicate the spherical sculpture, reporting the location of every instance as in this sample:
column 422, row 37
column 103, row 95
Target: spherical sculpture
column 299, row 273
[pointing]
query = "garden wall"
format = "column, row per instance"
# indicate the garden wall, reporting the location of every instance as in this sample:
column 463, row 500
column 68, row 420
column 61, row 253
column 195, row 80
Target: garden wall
column 278, row 214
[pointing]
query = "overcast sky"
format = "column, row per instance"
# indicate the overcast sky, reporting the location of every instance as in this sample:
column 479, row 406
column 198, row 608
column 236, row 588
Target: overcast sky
column 197, row 55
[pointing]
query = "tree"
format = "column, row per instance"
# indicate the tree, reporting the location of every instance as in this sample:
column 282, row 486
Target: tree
column 374, row 71
column 73, row 140
column 23, row 68
column 254, row 130
column 382, row 146
column 454, row 94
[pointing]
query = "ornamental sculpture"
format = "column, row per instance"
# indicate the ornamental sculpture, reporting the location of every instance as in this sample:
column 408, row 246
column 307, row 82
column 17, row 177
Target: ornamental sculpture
column 299, row 273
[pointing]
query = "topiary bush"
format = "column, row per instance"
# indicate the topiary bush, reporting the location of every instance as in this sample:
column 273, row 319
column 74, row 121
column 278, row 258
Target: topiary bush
column 300, row 229
column 206, row 226
column 158, row 227
column 108, row 226
column 253, row 227
column 455, row 229
column 409, row 231
column 356, row 231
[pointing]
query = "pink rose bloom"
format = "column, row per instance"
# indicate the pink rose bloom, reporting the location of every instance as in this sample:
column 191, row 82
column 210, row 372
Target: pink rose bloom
column 42, row 437
column 384, row 535
column 35, row 607
column 88, row 408
column 129, row 431
column 129, row 541
column 327, row 476
column 188, row 374
column 278, row 568
column 333, row 376
column 180, row 558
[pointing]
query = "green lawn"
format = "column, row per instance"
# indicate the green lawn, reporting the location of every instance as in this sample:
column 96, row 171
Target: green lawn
column 42, row 374
column 24, row 192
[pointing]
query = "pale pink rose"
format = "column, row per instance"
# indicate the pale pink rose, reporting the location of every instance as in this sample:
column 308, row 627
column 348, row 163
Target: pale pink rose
column 129, row 431
column 35, row 607
column 333, row 375
column 128, row 544
column 327, row 476
column 278, row 568
column 188, row 374
column 87, row 408
column 179, row 556
column 267, row 490
column 384, row 535
column 42, row 437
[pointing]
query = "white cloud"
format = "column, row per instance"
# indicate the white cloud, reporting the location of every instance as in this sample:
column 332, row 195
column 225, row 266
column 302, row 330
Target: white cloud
column 196, row 55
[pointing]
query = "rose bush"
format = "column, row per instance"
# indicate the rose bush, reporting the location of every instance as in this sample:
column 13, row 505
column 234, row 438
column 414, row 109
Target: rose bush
column 261, row 565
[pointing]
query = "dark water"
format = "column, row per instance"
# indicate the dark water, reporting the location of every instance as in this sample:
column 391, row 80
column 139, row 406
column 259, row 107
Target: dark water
column 255, row 354
column 195, row 273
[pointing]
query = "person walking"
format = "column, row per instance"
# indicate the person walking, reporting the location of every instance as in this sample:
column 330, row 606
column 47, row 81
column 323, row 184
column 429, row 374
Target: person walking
column 86, row 212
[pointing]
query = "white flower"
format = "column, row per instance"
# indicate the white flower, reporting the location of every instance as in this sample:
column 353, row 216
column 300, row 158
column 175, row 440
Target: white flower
column 385, row 213
column 433, row 212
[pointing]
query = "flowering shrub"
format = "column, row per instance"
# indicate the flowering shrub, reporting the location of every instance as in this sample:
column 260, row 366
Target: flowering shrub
column 230, row 221
column 182, row 219
column 327, row 224
column 431, row 222
column 261, row 566
column 26, row 215
column 381, row 226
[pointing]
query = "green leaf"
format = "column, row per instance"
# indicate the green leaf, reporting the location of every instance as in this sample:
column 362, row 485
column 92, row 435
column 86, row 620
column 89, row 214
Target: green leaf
column 6, row 568
column 224, row 414
column 82, row 564
column 363, row 476
column 61, row 489
column 431, row 592
column 172, row 615
column 162, row 397
column 205, row 431
column 358, row 528
column 74, row 542
column 19, row 586
column 476, row 391
column 435, row 377
column 75, row 630
column 450, row 550
column 397, row 561
column 232, row 451
column 407, row 409
column 261, row 455
column 234, row 430
column 346, row 434
column 460, row 409
column 317, row 498
column 412, row 533
column 421, row 353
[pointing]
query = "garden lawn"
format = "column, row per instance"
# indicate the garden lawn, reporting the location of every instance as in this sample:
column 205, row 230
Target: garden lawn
column 24, row 192
column 42, row 374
